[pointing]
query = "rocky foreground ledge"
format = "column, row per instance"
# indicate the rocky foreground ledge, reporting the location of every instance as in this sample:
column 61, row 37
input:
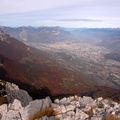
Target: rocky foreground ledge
column 20, row 106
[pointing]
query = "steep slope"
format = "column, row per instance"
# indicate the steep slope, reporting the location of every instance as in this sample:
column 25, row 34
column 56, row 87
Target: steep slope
column 37, row 72
column 35, row 67
column 12, row 48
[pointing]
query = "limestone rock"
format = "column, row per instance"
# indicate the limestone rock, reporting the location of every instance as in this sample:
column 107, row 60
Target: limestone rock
column 11, row 115
column 11, row 86
column 3, row 109
column 35, row 107
column 13, row 92
column 16, row 105
column 22, row 107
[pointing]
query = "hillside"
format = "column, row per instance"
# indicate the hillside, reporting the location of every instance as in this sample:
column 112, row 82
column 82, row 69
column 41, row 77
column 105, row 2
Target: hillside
column 38, row 72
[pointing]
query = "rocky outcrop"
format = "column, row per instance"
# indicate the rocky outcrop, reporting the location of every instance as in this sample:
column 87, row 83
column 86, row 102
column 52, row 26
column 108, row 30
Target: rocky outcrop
column 36, row 109
column 71, row 108
column 21, row 107
column 13, row 92
column 86, row 108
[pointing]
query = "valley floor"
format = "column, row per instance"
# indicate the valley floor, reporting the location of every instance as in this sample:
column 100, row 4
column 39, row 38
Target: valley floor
column 86, row 57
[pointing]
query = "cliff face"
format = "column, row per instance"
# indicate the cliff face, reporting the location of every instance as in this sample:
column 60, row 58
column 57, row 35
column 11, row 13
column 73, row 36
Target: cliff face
column 20, row 106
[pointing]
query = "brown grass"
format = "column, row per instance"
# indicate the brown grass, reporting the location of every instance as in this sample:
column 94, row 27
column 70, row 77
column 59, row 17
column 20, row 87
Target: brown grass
column 90, row 113
column 3, row 100
column 47, row 112
column 112, row 117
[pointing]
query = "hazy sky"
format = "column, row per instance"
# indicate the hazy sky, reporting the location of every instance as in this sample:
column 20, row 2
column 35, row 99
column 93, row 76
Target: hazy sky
column 65, row 13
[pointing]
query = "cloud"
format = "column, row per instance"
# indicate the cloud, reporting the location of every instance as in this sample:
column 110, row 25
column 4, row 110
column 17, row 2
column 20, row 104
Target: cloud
column 80, row 20
column 60, row 12
column 21, row 6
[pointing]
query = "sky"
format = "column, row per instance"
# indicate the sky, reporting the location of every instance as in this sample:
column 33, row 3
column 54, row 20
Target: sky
column 64, row 13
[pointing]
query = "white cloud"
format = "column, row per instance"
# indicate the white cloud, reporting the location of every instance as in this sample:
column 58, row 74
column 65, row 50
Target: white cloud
column 19, row 12
column 17, row 6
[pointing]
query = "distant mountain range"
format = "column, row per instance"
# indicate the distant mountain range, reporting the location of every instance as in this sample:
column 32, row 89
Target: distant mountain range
column 110, row 37
column 21, row 32
column 41, row 34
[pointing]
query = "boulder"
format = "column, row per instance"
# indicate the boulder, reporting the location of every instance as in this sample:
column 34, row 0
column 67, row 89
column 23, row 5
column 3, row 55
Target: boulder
column 11, row 115
column 13, row 92
column 82, row 115
column 3, row 109
column 35, row 108
column 16, row 105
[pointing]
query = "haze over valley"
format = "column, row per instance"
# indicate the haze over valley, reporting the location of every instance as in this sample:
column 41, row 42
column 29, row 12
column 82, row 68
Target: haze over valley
column 94, row 53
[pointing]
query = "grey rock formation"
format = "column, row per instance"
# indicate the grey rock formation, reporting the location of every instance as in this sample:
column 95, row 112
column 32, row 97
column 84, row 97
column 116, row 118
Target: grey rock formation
column 21, row 107
column 85, row 108
column 13, row 92
column 71, row 108
column 11, row 115
column 35, row 108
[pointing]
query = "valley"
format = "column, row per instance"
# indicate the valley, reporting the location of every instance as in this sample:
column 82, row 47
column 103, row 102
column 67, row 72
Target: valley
column 75, row 62
column 86, row 57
